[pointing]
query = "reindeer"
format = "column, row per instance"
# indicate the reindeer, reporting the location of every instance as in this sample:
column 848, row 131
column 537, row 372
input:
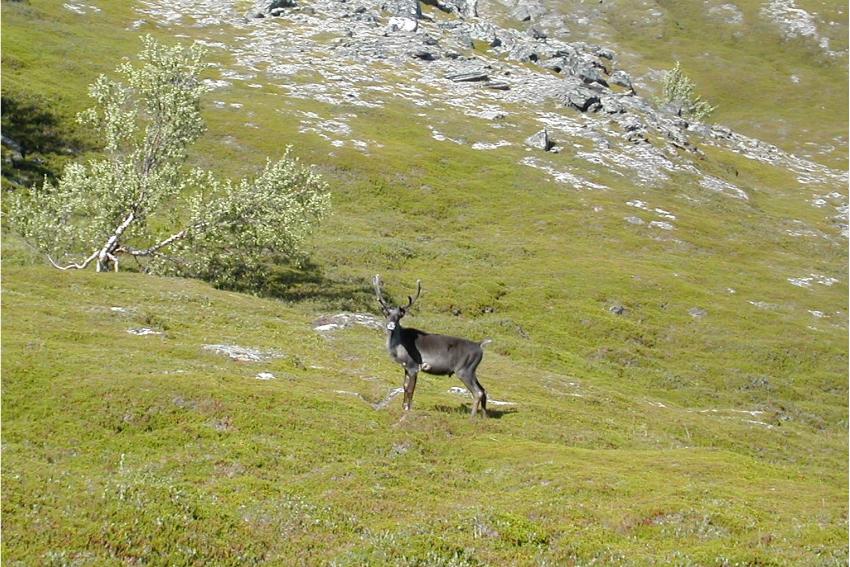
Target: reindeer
column 441, row 355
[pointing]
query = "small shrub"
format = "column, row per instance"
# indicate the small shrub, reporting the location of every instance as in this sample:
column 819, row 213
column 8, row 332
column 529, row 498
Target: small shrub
column 679, row 89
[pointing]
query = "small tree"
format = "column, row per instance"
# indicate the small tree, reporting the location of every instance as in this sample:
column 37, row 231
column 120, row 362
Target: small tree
column 142, row 200
column 678, row 88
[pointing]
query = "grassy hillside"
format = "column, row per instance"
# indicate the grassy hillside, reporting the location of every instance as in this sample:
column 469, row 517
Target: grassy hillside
column 706, row 424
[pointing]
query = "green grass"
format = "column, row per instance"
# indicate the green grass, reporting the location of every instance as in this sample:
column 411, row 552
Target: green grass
column 627, row 444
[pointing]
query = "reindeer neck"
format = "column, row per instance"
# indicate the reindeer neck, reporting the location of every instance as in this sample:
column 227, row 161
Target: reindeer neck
column 394, row 336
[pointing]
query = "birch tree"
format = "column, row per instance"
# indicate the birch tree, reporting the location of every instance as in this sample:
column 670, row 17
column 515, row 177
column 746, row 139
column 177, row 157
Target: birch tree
column 142, row 201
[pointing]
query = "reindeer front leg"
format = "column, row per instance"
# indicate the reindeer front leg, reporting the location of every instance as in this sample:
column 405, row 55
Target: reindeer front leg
column 410, row 373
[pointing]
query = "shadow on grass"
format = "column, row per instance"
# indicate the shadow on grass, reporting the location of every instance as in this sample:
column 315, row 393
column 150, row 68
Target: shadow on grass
column 34, row 135
column 464, row 409
column 308, row 283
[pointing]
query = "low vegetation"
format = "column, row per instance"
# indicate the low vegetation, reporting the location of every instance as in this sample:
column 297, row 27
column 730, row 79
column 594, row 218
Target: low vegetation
column 654, row 397
column 680, row 90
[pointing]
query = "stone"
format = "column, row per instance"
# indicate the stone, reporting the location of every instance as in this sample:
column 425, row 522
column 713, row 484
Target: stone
column 605, row 53
column 424, row 55
column 344, row 320
column 483, row 31
column 539, row 141
column 498, row 86
column 404, row 14
column 469, row 77
column 265, row 8
column 611, row 105
column 465, row 8
column 522, row 13
column 142, row 331
column 697, row 312
column 582, row 99
column 536, row 33
column 618, row 309
column 676, row 108
column 397, row 24
column 242, row 354
column 621, row 78
column 527, row 10
column 631, row 124
column 590, row 74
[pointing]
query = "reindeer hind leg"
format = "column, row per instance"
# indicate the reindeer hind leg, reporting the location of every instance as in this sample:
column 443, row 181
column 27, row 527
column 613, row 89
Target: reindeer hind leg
column 479, row 397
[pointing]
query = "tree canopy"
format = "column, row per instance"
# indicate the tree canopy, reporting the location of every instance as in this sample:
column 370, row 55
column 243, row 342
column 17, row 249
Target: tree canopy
column 142, row 200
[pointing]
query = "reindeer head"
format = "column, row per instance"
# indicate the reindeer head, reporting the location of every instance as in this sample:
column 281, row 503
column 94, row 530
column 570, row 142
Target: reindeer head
column 394, row 314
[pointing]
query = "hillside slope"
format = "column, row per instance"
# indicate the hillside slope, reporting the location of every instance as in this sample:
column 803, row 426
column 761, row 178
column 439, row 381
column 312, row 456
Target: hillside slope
column 667, row 299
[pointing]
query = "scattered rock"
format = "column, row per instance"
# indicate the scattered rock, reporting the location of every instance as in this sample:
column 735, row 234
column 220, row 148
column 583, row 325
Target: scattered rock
column 328, row 323
column 265, row 8
column 424, row 55
column 142, row 331
column 618, row 309
column 590, row 74
column 582, row 99
column 539, row 141
column 386, row 401
column 663, row 225
column 697, row 312
column 536, row 33
column 622, row 79
column 400, row 448
column 404, row 14
column 243, row 354
column 469, row 77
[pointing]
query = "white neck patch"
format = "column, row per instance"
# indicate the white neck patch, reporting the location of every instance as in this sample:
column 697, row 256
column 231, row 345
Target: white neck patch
column 391, row 325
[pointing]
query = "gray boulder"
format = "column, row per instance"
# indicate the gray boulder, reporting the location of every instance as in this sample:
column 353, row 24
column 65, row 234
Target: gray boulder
column 536, row 33
column 527, row 10
column 485, row 32
column 264, row 8
column 464, row 8
column 582, row 99
column 622, row 79
column 590, row 74
column 539, row 141
column 469, row 77
column 404, row 14
column 611, row 105
column 424, row 55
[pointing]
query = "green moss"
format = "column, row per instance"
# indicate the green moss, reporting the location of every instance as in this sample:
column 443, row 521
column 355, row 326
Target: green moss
column 627, row 442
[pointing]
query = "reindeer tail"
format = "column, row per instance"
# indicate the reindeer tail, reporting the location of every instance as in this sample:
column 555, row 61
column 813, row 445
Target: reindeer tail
column 485, row 342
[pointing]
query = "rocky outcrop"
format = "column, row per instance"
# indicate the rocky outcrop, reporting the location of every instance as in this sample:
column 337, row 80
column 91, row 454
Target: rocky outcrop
column 473, row 65
column 404, row 14
column 264, row 8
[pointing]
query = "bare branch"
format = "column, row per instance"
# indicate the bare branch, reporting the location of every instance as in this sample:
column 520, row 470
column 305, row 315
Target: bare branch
column 79, row 266
column 162, row 244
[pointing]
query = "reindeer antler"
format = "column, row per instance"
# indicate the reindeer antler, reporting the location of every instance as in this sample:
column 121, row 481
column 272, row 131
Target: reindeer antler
column 412, row 300
column 376, row 281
